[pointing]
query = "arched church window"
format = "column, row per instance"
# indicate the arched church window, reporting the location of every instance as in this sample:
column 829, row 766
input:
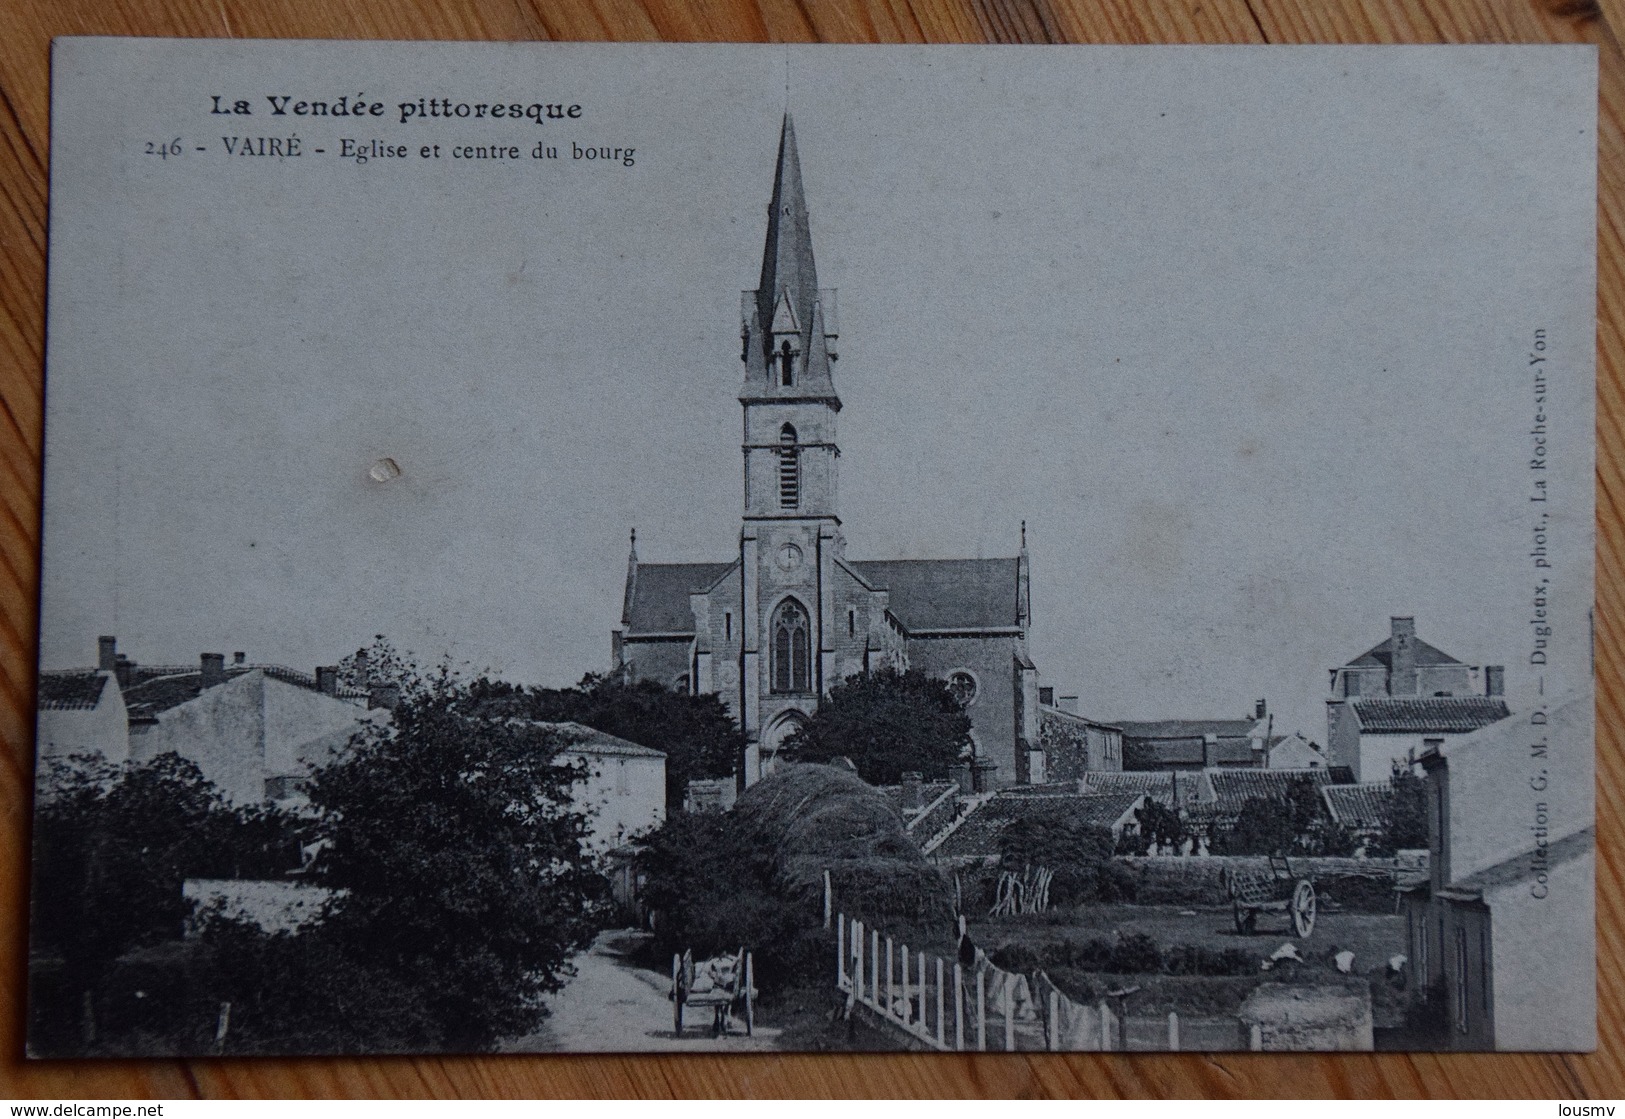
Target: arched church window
column 789, row 469
column 787, row 375
column 792, row 669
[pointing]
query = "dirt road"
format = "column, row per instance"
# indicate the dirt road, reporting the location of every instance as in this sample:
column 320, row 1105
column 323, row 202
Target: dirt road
column 613, row 1007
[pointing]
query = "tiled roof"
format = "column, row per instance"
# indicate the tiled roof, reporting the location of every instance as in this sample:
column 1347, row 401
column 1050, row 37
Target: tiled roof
column 1157, row 786
column 1383, row 655
column 660, row 595
column 1048, row 789
column 1234, row 787
column 929, row 791
column 977, row 835
column 1192, row 753
column 938, row 813
column 1428, row 715
column 151, row 698
column 1187, row 728
column 586, row 740
column 150, row 694
column 70, row 691
column 947, row 593
column 1361, row 807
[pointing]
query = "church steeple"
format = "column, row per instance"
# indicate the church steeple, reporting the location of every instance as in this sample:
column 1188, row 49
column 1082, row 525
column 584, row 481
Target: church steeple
column 787, row 323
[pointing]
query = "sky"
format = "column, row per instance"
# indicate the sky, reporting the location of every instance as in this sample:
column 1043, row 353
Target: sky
column 1242, row 334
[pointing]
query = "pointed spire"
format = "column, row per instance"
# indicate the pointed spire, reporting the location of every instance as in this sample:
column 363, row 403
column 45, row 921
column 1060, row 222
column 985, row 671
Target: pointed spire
column 631, row 580
column 787, row 258
column 1024, row 599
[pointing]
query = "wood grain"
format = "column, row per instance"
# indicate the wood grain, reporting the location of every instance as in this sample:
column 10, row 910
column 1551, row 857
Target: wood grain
column 26, row 30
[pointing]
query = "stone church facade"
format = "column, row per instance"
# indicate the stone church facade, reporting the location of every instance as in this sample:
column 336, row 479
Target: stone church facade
column 788, row 616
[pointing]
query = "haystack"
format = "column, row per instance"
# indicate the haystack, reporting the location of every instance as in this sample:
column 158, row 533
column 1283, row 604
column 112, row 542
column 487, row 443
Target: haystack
column 814, row 818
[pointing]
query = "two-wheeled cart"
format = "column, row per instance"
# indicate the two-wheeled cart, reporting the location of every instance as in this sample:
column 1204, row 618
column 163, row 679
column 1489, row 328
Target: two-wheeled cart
column 719, row 984
column 1275, row 889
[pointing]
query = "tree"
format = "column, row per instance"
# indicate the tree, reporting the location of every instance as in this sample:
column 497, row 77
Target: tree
column 113, row 847
column 1139, row 755
column 461, row 855
column 1159, row 826
column 695, row 732
column 1292, row 823
column 1405, row 814
column 1052, row 839
column 888, row 723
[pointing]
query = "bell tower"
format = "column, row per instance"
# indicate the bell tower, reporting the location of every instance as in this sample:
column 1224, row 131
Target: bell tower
column 787, row 336
column 791, row 531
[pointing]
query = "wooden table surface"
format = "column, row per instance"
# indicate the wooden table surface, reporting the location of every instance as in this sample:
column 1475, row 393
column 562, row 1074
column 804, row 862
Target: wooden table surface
column 26, row 30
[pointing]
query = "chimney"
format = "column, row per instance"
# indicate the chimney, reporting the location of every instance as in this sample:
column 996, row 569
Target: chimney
column 1046, row 697
column 239, row 658
column 213, row 667
column 124, row 669
column 1068, row 703
column 1402, row 656
column 363, row 667
column 387, row 696
column 1210, row 744
column 1495, row 682
column 913, row 792
column 327, row 679
column 1260, row 709
column 107, row 653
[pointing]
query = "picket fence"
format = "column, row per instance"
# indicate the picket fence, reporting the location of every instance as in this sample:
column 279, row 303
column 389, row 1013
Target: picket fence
column 935, row 1004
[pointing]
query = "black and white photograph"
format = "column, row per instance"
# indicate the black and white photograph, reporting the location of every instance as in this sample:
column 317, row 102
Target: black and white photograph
column 735, row 548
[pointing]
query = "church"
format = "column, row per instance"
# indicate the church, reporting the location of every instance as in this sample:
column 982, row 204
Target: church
column 789, row 615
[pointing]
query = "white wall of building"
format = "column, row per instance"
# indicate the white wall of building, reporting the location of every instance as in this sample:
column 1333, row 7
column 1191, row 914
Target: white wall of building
column 625, row 795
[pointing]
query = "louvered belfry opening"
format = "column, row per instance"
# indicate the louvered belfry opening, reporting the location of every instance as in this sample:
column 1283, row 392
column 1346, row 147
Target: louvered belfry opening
column 789, row 469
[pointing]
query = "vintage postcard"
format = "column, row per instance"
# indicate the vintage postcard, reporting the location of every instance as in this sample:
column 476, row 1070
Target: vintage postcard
column 497, row 597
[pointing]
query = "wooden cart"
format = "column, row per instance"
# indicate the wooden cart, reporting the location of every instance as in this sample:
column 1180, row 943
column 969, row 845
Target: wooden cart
column 736, row 987
column 1276, row 889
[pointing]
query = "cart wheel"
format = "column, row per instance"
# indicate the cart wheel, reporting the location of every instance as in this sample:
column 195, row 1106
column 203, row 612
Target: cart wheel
column 1303, row 908
column 750, row 1006
column 1245, row 918
column 677, row 995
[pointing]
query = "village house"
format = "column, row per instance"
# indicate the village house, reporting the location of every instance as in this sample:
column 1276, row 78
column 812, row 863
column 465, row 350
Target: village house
column 1511, row 846
column 1190, row 745
column 255, row 731
column 1404, row 696
column 1294, row 751
column 81, row 712
column 624, row 791
column 1071, row 745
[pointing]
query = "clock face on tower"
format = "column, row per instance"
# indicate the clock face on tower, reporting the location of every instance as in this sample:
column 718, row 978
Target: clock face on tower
column 788, row 558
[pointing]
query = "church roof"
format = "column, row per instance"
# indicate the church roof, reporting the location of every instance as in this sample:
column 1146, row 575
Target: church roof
column 925, row 595
column 658, row 598
column 941, row 594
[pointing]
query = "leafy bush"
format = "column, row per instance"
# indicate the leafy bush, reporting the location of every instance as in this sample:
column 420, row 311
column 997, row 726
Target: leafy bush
column 753, row 877
column 1052, row 839
column 1129, row 954
column 887, row 723
column 1196, row 959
